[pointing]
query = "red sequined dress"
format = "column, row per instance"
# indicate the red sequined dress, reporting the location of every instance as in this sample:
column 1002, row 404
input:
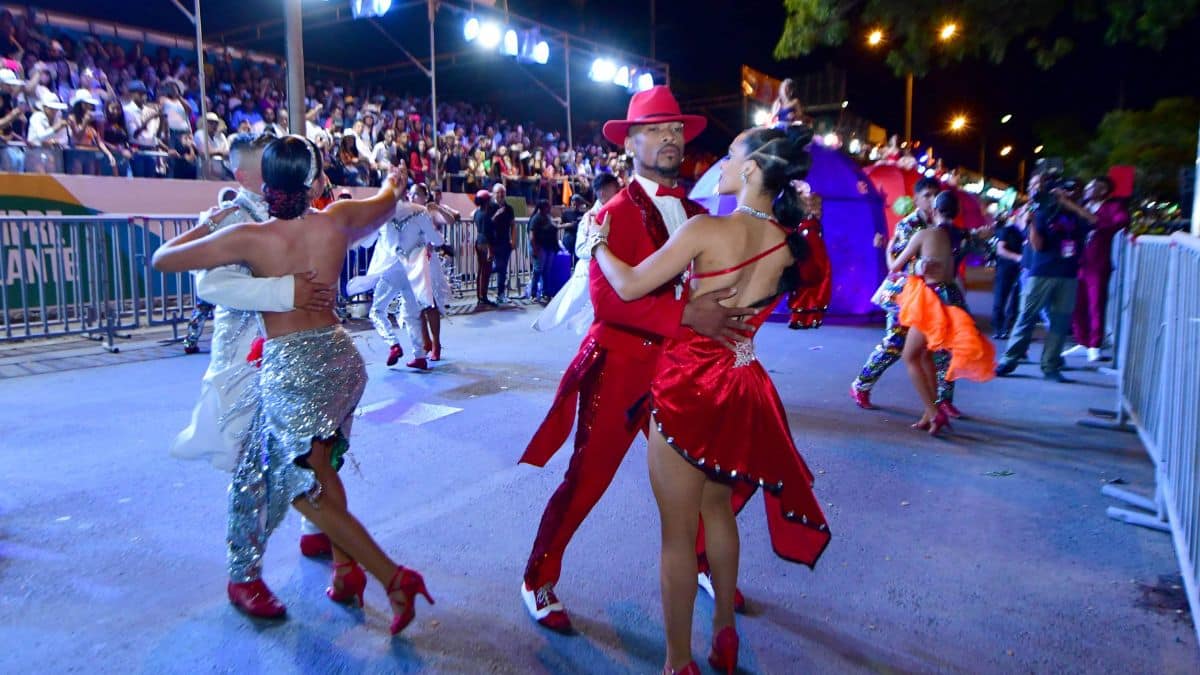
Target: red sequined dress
column 719, row 409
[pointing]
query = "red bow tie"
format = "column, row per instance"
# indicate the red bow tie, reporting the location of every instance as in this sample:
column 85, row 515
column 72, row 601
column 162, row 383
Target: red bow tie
column 676, row 192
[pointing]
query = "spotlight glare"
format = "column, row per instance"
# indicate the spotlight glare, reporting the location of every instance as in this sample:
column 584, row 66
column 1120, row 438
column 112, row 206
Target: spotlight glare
column 471, row 29
column 958, row 123
column 645, row 82
column 948, row 31
column 603, row 70
column 1006, row 119
column 541, row 52
column 875, row 38
column 511, row 45
column 621, row 79
column 1038, row 149
column 761, row 117
column 1006, row 151
column 489, row 35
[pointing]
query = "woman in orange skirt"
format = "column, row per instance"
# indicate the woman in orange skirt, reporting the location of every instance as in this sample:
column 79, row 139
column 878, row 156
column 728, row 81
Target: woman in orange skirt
column 934, row 310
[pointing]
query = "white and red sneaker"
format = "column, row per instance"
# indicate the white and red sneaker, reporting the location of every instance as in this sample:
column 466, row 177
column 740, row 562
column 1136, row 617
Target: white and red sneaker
column 704, row 579
column 543, row 605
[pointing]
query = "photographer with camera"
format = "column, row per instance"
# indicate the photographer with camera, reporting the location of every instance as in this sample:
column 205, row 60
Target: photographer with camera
column 1058, row 228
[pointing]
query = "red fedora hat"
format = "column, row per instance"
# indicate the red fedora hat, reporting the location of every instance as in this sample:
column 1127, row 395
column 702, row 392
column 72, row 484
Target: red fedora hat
column 653, row 106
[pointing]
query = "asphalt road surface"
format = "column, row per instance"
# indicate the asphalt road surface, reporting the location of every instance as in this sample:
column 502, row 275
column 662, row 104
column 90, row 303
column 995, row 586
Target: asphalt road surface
column 987, row 551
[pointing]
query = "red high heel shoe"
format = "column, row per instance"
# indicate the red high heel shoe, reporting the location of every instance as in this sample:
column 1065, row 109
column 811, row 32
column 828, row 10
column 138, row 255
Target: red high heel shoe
column 920, row 424
column 436, row 353
column 690, row 669
column 725, row 651
column 411, row 585
column 352, row 583
column 942, row 421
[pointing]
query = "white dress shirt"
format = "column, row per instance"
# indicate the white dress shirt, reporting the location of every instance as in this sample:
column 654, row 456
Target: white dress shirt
column 670, row 208
column 41, row 131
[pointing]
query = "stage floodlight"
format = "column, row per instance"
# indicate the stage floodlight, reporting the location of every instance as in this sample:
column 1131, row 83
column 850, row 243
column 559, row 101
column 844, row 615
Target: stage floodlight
column 855, row 146
column 621, row 79
column 511, row 46
column 541, row 52
column 645, row 81
column 489, row 35
column 602, row 70
column 471, row 29
column 382, row 6
column 761, row 117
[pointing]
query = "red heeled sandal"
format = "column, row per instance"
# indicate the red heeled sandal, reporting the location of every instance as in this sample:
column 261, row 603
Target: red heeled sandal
column 724, row 654
column 690, row 669
column 939, row 423
column 352, row 584
column 411, row 584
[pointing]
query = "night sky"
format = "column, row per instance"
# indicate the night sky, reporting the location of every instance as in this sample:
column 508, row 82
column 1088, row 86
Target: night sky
column 706, row 42
column 1092, row 80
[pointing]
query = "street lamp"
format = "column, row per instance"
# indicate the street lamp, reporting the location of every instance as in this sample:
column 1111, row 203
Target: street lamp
column 958, row 123
column 1006, row 151
column 876, row 37
column 1006, row 119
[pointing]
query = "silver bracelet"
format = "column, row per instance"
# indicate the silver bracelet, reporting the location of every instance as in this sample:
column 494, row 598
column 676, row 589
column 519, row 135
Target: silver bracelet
column 594, row 239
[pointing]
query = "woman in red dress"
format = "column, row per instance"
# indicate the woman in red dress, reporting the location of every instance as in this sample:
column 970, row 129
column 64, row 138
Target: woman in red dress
column 717, row 420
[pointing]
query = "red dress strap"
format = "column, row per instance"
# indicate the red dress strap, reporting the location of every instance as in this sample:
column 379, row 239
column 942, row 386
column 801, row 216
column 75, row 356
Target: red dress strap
column 742, row 264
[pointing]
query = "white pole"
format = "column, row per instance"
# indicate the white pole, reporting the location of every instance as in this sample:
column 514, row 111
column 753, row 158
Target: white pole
column 433, row 92
column 567, row 61
column 1196, row 194
column 203, row 124
column 293, row 22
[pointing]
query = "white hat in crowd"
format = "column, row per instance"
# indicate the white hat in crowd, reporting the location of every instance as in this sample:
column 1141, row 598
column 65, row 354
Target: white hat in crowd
column 51, row 100
column 213, row 117
column 85, row 96
column 9, row 77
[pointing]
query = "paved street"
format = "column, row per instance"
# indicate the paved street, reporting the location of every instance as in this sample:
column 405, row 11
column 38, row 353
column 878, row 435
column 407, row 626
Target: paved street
column 984, row 552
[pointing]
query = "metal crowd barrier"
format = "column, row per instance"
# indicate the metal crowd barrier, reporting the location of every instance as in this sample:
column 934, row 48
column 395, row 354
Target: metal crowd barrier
column 1158, row 384
column 66, row 276
column 91, row 275
column 462, row 268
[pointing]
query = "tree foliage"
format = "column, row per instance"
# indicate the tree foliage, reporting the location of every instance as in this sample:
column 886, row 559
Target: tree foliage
column 987, row 28
column 1157, row 142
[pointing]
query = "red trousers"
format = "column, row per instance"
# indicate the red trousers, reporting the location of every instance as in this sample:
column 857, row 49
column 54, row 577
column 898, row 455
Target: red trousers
column 1090, row 301
column 609, row 384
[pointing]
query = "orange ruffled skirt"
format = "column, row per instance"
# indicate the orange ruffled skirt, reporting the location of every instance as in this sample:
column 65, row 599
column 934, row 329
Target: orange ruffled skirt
column 947, row 327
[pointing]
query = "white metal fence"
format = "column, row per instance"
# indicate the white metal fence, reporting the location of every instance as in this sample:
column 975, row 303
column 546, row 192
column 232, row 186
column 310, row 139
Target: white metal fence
column 91, row 275
column 1158, row 383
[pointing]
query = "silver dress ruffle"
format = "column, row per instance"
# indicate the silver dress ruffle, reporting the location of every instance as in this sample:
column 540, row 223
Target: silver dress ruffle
column 310, row 383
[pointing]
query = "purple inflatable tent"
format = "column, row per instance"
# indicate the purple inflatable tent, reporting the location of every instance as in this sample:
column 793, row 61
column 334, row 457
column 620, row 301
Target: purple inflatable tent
column 853, row 214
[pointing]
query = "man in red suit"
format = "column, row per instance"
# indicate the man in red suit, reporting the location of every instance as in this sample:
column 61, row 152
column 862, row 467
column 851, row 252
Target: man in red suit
column 615, row 363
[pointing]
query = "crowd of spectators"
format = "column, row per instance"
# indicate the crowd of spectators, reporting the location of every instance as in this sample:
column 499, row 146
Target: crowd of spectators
column 72, row 103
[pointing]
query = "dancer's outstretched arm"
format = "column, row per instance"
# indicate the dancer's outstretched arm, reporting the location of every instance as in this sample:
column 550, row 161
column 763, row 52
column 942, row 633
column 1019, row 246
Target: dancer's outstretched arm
column 666, row 263
column 910, row 251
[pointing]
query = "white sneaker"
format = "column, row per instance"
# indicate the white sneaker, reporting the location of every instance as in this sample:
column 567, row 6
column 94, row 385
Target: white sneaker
column 545, row 608
column 705, row 582
column 1071, row 350
column 1094, row 354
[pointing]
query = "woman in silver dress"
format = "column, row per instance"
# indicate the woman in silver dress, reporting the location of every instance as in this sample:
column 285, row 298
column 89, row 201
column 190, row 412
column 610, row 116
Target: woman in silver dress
column 312, row 374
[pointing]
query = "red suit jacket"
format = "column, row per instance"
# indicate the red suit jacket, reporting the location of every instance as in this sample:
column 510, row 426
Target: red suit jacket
column 633, row 329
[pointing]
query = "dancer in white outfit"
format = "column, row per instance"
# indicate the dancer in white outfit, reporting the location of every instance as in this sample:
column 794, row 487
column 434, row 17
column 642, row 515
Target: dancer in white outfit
column 430, row 284
column 572, row 305
column 405, row 237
